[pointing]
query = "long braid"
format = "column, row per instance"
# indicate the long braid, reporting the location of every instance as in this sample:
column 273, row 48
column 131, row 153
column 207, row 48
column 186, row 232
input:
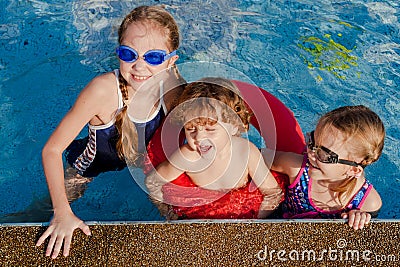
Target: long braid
column 127, row 144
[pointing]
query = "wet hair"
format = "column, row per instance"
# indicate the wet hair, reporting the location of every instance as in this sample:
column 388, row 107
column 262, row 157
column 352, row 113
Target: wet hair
column 364, row 135
column 211, row 99
column 157, row 18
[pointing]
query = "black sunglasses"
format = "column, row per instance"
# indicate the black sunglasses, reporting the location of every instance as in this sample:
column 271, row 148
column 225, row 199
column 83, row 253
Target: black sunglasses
column 325, row 155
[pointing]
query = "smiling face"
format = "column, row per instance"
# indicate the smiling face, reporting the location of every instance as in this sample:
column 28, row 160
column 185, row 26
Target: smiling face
column 143, row 37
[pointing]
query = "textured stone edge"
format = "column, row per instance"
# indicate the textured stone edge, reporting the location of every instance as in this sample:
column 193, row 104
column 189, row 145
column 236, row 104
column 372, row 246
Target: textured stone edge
column 211, row 243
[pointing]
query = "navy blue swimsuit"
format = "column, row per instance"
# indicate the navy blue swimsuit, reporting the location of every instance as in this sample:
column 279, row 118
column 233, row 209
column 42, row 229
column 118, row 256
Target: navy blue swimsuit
column 97, row 152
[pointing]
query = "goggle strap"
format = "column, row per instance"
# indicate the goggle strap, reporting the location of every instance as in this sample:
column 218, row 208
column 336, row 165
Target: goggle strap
column 348, row 162
column 168, row 56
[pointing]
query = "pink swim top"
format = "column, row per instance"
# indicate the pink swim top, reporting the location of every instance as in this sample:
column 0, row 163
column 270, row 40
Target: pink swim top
column 299, row 204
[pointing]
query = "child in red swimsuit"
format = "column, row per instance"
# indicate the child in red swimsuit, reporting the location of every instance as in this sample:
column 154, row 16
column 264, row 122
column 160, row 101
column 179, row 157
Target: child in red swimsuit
column 226, row 176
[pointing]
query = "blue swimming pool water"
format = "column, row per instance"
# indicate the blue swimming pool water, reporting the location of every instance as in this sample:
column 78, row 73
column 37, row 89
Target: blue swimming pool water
column 313, row 55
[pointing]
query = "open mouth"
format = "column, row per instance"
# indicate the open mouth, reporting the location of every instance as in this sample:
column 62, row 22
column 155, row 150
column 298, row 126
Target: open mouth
column 203, row 149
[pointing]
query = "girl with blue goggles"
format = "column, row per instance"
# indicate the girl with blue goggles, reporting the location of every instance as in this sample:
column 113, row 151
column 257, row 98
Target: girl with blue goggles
column 111, row 143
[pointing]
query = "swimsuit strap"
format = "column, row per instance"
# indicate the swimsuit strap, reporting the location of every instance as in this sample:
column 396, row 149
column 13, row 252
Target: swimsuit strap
column 120, row 101
column 301, row 171
column 359, row 198
column 162, row 97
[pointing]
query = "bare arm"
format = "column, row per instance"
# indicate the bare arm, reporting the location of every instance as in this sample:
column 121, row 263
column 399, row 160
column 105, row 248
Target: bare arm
column 288, row 163
column 266, row 182
column 87, row 105
column 166, row 172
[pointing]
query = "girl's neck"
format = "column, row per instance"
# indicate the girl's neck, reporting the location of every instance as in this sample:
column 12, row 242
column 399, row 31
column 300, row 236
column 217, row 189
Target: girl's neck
column 325, row 193
column 142, row 104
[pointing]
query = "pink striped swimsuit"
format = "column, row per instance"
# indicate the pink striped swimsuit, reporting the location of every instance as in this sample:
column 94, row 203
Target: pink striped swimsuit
column 298, row 204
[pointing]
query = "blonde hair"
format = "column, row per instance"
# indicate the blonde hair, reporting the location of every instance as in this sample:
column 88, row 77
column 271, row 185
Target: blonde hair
column 363, row 132
column 159, row 18
column 205, row 96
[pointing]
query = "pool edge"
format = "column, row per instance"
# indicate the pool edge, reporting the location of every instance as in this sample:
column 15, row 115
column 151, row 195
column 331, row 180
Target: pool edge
column 210, row 243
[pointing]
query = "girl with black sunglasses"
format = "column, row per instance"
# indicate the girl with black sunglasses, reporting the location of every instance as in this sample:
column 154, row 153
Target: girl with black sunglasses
column 328, row 180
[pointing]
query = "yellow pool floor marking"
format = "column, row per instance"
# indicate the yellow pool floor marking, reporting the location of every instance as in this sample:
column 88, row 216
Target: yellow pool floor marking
column 327, row 55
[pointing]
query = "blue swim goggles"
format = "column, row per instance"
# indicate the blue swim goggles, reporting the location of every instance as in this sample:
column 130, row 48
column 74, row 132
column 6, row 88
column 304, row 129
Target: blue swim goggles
column 152, row 57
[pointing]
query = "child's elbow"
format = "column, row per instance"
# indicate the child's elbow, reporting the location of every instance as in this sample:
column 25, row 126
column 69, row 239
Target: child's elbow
column 149, row 181
column 49, row 151
column 153, row 185
column 375, row 208
column 373, row 203
column 377, row 204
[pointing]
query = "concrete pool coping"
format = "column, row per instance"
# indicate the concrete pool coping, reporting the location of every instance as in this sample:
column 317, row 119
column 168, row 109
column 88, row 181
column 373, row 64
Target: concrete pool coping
column 211, row 243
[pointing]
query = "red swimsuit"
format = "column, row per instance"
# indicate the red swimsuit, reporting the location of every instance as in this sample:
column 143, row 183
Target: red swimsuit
column 192, row 202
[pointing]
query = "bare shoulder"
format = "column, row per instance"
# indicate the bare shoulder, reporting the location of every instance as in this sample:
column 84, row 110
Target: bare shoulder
column 102, row 86
column 288, row 163
column 100, row 95
column 98, row 98
column 243, row 143
column 176, row 164
column 373, row 201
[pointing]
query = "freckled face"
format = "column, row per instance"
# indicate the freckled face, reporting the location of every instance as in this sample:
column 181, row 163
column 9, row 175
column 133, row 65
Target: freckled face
column 143, row 37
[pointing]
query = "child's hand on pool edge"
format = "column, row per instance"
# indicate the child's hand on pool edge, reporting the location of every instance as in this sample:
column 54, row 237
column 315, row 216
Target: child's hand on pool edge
column 61, row 229
column 357, row 219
